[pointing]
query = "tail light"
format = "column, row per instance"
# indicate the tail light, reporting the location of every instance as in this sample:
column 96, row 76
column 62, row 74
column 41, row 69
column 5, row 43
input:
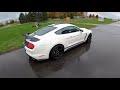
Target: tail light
column 30, row 45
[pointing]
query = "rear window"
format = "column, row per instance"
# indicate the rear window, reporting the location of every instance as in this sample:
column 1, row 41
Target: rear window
column 43, row 31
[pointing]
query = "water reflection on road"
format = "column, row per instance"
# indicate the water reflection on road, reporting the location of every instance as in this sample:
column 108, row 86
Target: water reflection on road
column 47, row 67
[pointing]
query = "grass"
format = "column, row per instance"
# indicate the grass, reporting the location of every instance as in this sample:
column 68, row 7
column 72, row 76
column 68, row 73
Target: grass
column 11, row 37
column 85, row 26
column 85, row 20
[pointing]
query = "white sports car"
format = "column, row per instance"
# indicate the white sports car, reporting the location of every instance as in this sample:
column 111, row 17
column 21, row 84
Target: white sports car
column 53, row 40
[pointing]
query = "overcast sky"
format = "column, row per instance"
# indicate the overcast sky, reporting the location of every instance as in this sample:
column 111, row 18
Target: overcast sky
column 15, row 15
column 115, row 15
column 8, row 15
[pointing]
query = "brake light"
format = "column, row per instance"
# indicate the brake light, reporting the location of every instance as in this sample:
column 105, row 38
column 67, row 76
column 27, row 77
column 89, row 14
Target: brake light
column 30, row 45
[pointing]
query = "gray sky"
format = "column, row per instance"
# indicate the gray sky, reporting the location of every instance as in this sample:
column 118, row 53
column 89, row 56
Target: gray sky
column 14, row 15
column 8, row 15
column 115, row 15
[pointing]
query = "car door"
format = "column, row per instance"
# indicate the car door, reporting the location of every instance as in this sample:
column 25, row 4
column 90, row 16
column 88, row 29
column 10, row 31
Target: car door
column 75, row 35
column 81, row 35
column 64, row 36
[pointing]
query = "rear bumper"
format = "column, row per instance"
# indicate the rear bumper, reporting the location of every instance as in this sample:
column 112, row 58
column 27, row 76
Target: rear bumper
column 41, row 55
column 37, row 57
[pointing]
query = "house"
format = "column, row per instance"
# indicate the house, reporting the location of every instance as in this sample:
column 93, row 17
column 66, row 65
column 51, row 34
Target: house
column 84, row 15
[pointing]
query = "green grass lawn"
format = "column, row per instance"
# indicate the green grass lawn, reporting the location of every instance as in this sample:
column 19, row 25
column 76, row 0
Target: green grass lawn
column 11, row 37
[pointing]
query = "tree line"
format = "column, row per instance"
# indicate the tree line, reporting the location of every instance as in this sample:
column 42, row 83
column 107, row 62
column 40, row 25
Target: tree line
column 33, row 17
column 8, row 22
column 93, row 16
column 62, row 15
column 41, row 16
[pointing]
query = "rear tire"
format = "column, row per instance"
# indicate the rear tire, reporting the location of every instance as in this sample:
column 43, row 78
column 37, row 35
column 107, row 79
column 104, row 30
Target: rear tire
column 57, row 52
column 89, row 38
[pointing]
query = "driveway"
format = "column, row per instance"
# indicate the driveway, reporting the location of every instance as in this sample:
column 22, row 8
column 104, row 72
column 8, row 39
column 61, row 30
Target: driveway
column 99, row 59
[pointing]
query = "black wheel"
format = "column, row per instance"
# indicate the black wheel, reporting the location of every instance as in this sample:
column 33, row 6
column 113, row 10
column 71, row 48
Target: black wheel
column 89, row 38
column 57, row 52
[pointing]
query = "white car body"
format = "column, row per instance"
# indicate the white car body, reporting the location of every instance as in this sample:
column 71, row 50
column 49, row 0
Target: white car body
column 43, row 47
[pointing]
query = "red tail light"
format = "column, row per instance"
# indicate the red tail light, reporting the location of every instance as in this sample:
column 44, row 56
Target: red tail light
column 31, row 46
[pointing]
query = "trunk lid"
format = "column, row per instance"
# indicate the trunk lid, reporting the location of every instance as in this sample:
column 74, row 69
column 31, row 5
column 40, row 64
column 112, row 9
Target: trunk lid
column 31, row 38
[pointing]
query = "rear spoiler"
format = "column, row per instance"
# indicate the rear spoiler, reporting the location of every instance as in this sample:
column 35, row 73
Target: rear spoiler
column 31, row 38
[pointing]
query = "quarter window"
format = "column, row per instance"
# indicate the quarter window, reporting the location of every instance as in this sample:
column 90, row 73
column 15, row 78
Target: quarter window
column 43, row 30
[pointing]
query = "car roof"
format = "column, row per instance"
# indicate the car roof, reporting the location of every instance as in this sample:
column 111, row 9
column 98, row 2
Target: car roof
column 61, row 25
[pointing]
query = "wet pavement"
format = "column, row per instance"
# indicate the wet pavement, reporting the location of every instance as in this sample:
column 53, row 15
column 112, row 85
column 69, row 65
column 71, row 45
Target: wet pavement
column 98, row 59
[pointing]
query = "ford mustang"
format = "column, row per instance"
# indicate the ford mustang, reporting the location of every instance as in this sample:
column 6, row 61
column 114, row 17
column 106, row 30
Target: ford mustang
column 53, row 40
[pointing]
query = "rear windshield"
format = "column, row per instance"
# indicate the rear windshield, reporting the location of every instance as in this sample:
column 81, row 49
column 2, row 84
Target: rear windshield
column 43, row 31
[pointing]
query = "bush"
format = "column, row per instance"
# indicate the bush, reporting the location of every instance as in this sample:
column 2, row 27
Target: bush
column 1, row 25
column 22, row 18
column 61, row 17
column 6, row 23
column 90, row 16
column 93, row 16
column 11, row 21
column 96, row 16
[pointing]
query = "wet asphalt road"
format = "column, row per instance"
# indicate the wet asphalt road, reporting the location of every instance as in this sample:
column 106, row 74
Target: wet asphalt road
column 99, row 59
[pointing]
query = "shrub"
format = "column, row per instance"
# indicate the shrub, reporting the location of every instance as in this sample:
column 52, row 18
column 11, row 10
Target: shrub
column 93, row 15
column 1, row 25
column 96, row 16
column 90, row 16
column 6, row 23
column 11, row 21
